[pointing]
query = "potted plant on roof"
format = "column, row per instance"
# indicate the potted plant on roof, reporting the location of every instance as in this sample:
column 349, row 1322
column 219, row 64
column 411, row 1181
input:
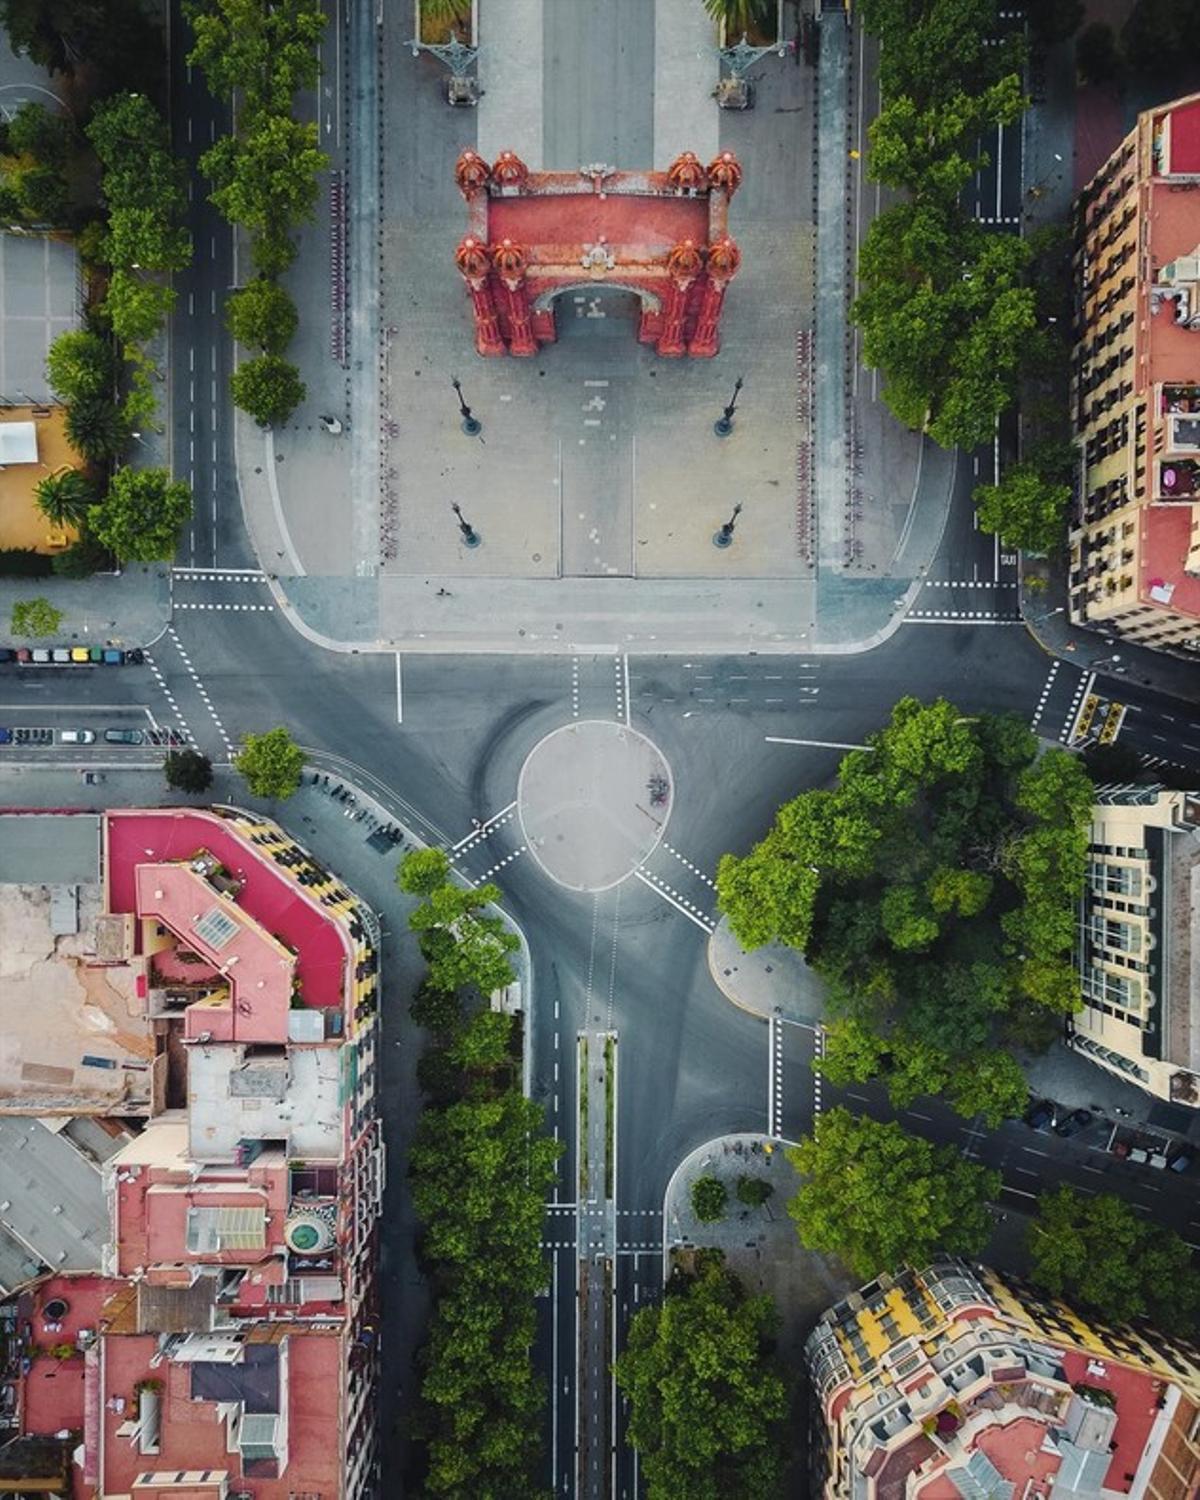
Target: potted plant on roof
column 440, row 21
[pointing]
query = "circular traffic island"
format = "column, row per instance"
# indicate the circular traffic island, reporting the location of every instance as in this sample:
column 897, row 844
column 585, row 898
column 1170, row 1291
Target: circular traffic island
column 593, row 799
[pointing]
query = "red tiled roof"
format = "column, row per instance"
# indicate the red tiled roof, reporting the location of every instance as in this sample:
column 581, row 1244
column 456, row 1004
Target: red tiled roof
column 274, row 901
column 551, row 227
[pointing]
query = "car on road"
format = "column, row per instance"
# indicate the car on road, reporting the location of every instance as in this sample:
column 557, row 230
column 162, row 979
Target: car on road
column 1040, row 1115
column 1078, row 1120
column 123, row 736
column 76, row 736
column 1181, row 1161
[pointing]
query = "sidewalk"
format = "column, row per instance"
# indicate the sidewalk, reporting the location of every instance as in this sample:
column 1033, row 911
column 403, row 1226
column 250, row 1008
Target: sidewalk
column 772, row 981
column 129, row 610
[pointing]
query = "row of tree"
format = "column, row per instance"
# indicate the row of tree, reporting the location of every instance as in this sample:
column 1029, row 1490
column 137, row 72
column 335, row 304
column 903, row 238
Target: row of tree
column 481, row 1168
column 934, row 889
column 879, row 1197
column 264, row 175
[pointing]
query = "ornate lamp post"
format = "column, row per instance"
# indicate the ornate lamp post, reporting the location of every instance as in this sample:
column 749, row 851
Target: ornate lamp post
column 723, row 426
column 470, row 536
column 723, row 537
column 471, row 424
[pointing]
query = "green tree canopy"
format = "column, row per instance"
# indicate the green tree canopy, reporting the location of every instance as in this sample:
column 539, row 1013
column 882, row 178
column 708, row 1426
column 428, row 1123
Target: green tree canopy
column 137, row 307
column 1024, row 509
column 933, row 49
column 268, row 388
column 1099, row 1253
column 878, row 1197
column 262, row 316
column 114, row 42
column 461, row 946
column 934, row 150
column 140, row 517
column 48, row 138
column 268, row 175
column 268, row 52
column 709, row 1199
column 79, row 363
column 188, row 771
column 272, row 763
column 65, row 497
column 96, row 428
column 706, row 1395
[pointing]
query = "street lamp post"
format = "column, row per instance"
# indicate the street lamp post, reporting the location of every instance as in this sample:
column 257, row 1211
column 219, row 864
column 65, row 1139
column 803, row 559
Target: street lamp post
column 723, row 537
column 470, row 536
column 471, row 424
column 723, row 426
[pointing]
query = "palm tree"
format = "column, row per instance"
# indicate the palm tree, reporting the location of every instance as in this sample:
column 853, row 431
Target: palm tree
column 65, row 497
column 96, row 428
column 742, row 16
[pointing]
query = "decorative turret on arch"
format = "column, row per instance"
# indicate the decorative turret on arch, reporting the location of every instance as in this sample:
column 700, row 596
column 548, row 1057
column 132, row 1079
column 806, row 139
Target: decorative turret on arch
column 725, row 173
column 661, row 235
column 686, row 175
column 471, row 173
column 509, row 171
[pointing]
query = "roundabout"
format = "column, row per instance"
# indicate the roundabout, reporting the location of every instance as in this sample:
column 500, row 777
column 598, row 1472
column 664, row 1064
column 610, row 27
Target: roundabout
column 593, row 798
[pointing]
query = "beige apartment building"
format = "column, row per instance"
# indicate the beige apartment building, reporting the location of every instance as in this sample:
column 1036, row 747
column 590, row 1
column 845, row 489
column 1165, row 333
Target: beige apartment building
column 1135, row 544
column 1139, row 918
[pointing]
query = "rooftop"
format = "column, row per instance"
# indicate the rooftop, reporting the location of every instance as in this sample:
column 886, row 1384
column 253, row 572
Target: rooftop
column 1166, row 532
column 267, row 896
column 54, row 1196
column 49, row 848
column 76, row 1035
column 553, row 228
column 1179, row 132
column 235, row 1096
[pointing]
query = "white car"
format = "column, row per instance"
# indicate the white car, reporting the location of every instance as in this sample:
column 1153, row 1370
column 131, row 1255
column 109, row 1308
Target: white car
column 76, row 736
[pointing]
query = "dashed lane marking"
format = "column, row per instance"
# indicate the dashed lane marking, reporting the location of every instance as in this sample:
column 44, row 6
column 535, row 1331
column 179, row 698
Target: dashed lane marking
column 268, row 608
column 200, row 688
column 1041, row 704
column 688, row 865
column 500, row 865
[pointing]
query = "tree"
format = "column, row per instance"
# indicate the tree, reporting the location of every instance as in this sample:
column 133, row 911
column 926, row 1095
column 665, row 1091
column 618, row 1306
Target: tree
column 268, row 388
column 96, row 428
column 709, row 1198
column 146, row 237
column 461, row 947
column 1102, row 1255
column 933, row 48
column 706, row 1395
column 266, row 52
column 272, row 250
column 742, row 16
column 439, row 1011
column 35, row 617
column 272, row 763
column 484, row 1044
column 136, row 307
column 1056, row 790
column 907, row 919
column 754, row 1190
column 879, row 1197
column 262, row 316
column 131, row 140
column 115, row 42
column 188, row 771
column 992, row 1086
column 268, row 175
column 926, row 150
column 140, row 517
column 65, row 497
column 1024, row 509
column 47, row 138
column 79, row 363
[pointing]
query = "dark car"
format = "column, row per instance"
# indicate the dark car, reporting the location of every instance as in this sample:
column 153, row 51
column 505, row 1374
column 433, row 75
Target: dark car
column 137, row 656
column 6, row 654
column 1040, row 1115
column 124, row 736
column 1181, row 1161
column 5, row 736
column 1073, row 1122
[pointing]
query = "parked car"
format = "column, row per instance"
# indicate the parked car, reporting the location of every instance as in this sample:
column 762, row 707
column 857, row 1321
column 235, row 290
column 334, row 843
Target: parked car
column 80, row 654
column 137, row 656
column 1073, row 1122
column 7, row 653
column 5, row 736
column 76, row 736
column 40, row 656
column 124, row 736
column 24, row 655
column 1040, row 1115
column 33, row 736
column 61, row 655
column 114, row 658
column 1181, row 1161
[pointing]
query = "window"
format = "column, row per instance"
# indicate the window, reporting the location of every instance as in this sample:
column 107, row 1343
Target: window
column 216, row 928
